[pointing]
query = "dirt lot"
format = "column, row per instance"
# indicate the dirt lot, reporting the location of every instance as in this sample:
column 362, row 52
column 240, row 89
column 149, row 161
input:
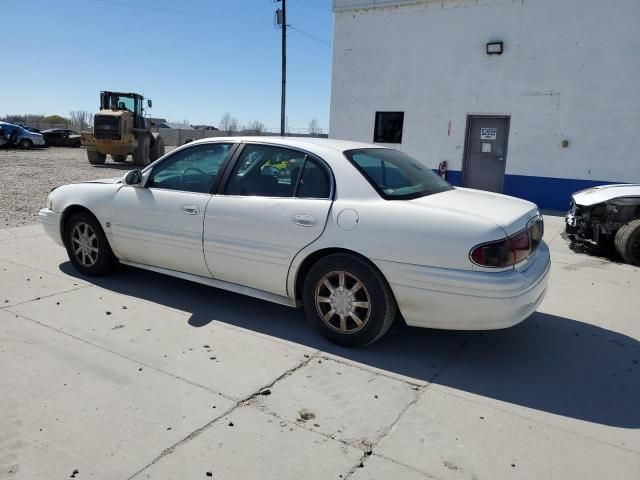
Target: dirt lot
column 28, row 176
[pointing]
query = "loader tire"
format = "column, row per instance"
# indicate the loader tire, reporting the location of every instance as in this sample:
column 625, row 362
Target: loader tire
column 141, row 154
column 627, row 242
column 157, row 150
column 95, row 157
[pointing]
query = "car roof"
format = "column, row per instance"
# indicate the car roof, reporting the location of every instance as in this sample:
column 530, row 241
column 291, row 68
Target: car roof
column 305, row 143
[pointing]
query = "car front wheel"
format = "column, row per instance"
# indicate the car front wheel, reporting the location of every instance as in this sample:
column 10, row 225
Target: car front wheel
column 348, row 300
column 627, row 241
column 87, row 245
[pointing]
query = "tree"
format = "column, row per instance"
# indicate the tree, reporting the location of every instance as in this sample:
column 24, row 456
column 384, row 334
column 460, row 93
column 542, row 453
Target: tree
column 228, row 123
column 254, row 127
column 81, row 119
column 56, row 119
column 314, row 127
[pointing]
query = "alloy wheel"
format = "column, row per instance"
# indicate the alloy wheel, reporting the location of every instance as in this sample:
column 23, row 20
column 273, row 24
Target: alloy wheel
column 84, row 243
column 342, row 301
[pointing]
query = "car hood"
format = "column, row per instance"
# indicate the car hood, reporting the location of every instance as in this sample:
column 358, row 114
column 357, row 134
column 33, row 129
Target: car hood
column 105, row 180
column 604, row 193
column 509, row 213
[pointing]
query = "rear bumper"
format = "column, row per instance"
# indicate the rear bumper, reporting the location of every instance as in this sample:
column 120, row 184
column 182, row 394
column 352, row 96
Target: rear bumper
column 468, row 300
column 50, row 221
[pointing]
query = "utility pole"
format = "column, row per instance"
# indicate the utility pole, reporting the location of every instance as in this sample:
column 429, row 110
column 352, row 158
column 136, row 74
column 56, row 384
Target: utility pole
column 281, row 18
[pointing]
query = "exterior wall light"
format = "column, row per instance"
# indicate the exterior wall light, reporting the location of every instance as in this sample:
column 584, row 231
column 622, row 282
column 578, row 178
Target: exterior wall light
column 495, row 48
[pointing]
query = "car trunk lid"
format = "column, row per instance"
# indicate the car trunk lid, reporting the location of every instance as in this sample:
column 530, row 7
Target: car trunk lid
column 509, row 213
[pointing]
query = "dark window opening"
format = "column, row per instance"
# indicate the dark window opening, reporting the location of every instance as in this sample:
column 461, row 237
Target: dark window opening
column 388, row 128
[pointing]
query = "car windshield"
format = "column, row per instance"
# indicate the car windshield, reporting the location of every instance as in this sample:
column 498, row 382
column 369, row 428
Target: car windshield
column 396, row 175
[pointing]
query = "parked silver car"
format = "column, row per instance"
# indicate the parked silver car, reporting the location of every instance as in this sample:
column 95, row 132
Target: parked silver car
column 17, row 136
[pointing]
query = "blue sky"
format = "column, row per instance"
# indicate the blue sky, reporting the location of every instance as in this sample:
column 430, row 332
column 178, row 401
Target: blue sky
column 215, row 56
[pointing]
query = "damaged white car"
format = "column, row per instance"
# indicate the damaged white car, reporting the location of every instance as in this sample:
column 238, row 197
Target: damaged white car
column 608, row 217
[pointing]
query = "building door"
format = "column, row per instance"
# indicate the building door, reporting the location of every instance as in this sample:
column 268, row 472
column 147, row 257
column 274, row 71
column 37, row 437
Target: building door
column 486, row 152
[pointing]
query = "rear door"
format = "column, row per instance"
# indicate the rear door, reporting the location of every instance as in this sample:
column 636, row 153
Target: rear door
column 161, row 224
column 275, row 202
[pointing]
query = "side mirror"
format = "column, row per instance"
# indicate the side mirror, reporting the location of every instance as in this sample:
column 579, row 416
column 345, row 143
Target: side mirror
column 133, row 178
column 149, row 102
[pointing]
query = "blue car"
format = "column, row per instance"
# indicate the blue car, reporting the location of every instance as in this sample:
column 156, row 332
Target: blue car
column 17, row 136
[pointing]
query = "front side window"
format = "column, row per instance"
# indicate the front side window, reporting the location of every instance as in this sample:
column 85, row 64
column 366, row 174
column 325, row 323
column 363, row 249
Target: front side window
column 265, row 171
column 388, row 127
column 396, row 175
column 192, row 169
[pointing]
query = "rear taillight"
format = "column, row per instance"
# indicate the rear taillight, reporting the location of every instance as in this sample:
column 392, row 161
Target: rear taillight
column 511, row 250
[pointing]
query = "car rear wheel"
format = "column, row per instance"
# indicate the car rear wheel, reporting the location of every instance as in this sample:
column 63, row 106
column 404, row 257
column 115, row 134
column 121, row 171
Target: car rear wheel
column 348, row 300
column 627, row 242
column 95, row 157
column 26, row 144
column 87, row 245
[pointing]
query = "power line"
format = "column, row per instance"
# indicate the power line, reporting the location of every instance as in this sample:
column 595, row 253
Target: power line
column 183, row 12
column 309, row 35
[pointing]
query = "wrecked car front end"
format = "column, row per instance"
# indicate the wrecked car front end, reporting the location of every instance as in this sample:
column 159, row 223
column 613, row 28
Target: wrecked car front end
column 607, row 217
column 597, row 224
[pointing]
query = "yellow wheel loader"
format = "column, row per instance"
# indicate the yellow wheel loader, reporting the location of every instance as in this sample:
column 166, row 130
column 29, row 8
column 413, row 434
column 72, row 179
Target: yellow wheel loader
column 120, row 130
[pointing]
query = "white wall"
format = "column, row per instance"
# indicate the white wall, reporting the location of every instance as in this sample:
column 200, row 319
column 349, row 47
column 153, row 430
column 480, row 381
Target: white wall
column 571, row 70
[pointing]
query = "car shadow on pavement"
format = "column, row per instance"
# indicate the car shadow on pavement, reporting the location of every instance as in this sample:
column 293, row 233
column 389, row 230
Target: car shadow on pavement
column 548, row 363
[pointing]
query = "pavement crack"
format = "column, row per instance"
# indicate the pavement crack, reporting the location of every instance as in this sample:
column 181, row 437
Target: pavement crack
column 8, row 307
column 138, row 362
column 239, row 403
column 420, row 391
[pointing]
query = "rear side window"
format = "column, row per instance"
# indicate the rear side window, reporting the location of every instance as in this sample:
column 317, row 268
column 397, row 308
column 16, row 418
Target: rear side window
column 315, row 181
column 396, row 175
column 270, row 171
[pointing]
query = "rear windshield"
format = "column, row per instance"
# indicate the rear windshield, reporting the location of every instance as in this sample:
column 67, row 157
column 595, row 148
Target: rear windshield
column 396, row 175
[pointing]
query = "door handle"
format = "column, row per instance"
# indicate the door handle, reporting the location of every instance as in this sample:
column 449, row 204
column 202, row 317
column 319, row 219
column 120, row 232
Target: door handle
column 190, row 209
column 304, row 220
column 501, row 159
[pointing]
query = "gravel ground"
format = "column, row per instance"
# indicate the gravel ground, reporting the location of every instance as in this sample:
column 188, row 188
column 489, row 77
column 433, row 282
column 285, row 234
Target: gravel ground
column 27, row 177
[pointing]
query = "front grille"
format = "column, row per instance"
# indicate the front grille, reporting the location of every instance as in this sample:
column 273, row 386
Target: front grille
column 106, row 127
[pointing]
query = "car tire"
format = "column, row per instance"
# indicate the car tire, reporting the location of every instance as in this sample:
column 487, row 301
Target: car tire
column 87, row 245
column 141, row 154
column 95, row 157
column 348, row 300
column 26, row 144
column 119, row 158
column 627, row 242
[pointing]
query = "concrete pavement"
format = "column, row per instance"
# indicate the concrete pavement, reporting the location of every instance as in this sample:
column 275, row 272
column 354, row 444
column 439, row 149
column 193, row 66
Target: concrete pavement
column 141, row 376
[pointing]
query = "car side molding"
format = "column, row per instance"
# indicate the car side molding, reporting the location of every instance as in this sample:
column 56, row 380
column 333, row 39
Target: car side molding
column 231, row 287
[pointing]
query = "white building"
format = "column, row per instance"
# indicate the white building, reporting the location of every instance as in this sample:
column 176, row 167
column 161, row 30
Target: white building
column 533, row 98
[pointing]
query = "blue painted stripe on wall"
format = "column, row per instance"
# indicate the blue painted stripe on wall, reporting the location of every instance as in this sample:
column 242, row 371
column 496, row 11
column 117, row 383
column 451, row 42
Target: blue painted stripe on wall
column 547, row 192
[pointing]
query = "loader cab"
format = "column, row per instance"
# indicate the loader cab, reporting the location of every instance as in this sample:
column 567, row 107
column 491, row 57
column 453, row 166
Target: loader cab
column 124, row 102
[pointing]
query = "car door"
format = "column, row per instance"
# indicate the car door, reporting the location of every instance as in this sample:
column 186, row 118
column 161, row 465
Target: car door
column 275, row 201
column 160, row 224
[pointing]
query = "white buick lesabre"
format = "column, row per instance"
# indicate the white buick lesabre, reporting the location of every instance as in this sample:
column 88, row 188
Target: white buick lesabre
column 354, row 232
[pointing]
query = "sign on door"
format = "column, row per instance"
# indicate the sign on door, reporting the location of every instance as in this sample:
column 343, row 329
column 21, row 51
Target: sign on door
column 488, row 133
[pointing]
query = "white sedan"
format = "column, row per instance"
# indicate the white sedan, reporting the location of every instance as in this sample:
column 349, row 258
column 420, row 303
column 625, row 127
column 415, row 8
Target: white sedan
column 357, row 233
